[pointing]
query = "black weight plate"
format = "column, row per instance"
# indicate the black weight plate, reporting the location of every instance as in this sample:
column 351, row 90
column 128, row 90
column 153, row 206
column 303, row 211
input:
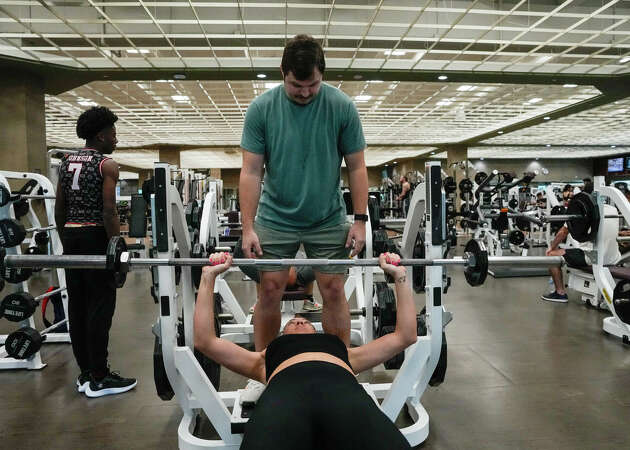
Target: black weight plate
column 508, row 177
column 476, row 273
column 5, row 195
column 439, row 374
column 374, row 210
column 465, row 185
column 23, row 343
column 379, row 242
column 162, row 384
column 516, row 237
column 464, row 210
column 12, row 233
column 522, row 224
column 41, row 238
column 513, row 203
column 621, row 301
column 465, row 196
column 480, row 176
column 449, row 185
column 20, row 208
column 585, row 228
column 115, row 248
column 418, row 272
column 555, row 226
column 18, row 306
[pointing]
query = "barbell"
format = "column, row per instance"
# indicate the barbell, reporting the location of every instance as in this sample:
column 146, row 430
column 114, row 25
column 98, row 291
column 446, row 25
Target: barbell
column 119, row 261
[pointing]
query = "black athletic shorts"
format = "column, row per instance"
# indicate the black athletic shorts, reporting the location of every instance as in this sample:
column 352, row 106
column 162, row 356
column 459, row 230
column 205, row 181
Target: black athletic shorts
column 574, row 257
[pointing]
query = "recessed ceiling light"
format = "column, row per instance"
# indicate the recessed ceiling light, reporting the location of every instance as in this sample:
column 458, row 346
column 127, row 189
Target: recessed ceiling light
column 358, row 77
column 86, row 103
column 162, row 81
column 375, row 81
column 442, row 77
column 535, row 100
column 140, row 50
column 395, row 162
column 180, row 98
column 261, row 75
column 433, row 153
column 362, row 98
column 271, row 85
column 466, row 87
column 500, row 132
column 548, row 145
column 395, row 52
column 481, row 159
column 625, row 59
column 444, row 103
column 546, row 118
column 613, row 146
column 179, row 76
column 569, row 85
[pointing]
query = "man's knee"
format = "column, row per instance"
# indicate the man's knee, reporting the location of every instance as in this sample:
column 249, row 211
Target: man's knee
column 332, row 287
column 272, row 287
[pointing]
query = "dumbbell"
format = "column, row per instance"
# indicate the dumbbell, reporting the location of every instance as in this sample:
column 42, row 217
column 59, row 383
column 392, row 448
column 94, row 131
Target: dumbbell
column 25, row 342
column 6, row 197
column 22, row 305
column 13, row 233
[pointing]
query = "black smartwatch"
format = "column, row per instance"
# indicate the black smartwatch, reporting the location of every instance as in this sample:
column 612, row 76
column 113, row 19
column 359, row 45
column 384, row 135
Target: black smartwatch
column 361, row 217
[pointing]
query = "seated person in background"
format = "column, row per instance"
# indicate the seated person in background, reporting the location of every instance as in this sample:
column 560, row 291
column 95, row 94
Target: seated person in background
column 313, row 399
column 567, row 193
column 541, row 201
column 576, row 257
column 300, row 277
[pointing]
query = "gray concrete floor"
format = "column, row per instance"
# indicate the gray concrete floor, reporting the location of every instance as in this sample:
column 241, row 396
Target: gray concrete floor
column 522, row 373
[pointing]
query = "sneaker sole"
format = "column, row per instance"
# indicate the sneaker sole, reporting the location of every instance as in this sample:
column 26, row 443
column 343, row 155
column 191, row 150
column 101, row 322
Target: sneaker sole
column 110, row 391
column 555, row 300
column 82, row 387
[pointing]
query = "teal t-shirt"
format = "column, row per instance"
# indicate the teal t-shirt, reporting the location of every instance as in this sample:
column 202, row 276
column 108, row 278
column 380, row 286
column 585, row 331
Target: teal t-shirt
column 303, row 146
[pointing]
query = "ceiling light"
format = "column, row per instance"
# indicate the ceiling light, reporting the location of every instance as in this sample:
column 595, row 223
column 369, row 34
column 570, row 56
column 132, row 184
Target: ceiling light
column 535, row 100
column 613, row 146
column 444, row 103
column 271, row 85
column 358, row 77
column 140, row 50
column 481, row 94
column 375, row 81
column 569, row 85
column 261, row 75
column 624, row 60
column 163, row 81
column 442, row 77
column 142, row 86
column 395, row 52
column 179, row 76
column 466, row 87
column 433, row 153
column 362, row 98
column 500, row 132
column 481, row 159
column 395, row 162
column 180, row 98
column 548, row 145
column 546, row 118
column 86, row 103
column 543, row 59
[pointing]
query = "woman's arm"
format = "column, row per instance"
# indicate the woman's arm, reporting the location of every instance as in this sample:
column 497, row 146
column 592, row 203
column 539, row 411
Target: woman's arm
column 380, row 350
column 224, row 352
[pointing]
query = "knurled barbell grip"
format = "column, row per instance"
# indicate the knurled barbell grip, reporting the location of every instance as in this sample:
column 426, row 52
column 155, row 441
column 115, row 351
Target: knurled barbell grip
column 54, row 261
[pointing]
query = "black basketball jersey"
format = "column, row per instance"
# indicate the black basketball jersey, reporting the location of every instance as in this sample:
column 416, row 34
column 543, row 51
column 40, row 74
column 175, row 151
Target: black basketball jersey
column 81, row 179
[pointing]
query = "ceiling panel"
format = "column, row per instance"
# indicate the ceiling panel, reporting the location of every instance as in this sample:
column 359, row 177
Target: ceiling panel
column 559, row 37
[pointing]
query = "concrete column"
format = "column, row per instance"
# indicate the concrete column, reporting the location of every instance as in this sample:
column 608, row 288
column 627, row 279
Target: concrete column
column 22, row 114
column 169, row 155
column 456, row 158
column 215, row 173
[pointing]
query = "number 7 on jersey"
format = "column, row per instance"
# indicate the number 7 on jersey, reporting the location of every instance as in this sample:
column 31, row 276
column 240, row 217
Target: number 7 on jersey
column 76, row 168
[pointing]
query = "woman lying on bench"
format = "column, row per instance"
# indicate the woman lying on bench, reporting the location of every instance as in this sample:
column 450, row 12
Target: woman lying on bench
column 312, row 399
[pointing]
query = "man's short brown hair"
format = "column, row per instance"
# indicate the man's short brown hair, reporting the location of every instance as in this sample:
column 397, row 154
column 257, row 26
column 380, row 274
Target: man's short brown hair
column 302, row 55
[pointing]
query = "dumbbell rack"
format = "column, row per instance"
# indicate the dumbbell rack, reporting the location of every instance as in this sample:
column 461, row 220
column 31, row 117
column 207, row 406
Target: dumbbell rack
column 193, row 389
column 55, row 247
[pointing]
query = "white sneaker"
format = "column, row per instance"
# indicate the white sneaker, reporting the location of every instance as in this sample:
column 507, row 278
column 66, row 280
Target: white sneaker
column 311, row 306
column 251, row 309
column 252, row 392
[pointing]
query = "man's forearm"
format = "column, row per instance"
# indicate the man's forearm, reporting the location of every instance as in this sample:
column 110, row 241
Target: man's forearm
column 111, row 223
column 357, row 179
column 249, row 194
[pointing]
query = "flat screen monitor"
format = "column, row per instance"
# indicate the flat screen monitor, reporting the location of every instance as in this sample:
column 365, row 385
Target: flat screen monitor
column 615, row 165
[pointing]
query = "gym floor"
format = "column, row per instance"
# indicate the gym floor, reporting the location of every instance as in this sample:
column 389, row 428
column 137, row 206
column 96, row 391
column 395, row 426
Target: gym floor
column 522, row 373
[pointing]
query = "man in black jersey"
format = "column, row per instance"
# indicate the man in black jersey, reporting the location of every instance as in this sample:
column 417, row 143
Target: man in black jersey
column 86, row 217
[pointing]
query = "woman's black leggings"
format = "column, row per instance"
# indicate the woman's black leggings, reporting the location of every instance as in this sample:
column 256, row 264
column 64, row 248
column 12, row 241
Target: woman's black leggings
column 319, row 405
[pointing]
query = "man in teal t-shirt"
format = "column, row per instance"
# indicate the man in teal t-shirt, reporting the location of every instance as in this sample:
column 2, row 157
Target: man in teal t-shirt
column 297, row 135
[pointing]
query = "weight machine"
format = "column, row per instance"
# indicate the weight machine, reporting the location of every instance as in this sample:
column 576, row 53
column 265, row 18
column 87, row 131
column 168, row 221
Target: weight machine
column 54, row 246
column 193, row 389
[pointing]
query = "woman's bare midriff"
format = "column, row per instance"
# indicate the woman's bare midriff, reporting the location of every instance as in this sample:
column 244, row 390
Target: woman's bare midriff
column 310, row 356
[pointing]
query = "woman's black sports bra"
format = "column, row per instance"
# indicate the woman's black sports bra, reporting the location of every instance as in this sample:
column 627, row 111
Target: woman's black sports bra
column 289, row 345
